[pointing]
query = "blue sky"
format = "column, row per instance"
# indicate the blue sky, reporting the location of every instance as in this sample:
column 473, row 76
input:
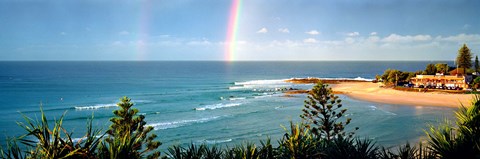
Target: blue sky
column 268, row 29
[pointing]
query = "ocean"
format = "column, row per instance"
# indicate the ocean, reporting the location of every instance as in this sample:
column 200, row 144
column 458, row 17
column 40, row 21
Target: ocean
column 210, row 102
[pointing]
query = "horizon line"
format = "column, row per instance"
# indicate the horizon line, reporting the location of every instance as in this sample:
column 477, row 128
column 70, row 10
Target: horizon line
column 225, row 60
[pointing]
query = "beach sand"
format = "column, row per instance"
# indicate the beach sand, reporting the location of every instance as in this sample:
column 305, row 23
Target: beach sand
column 373, row 92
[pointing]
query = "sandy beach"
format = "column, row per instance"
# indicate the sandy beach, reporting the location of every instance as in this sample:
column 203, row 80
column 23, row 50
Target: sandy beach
column 374, row 92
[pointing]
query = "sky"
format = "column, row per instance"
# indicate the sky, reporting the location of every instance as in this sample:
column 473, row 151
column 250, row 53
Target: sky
column 267, row 30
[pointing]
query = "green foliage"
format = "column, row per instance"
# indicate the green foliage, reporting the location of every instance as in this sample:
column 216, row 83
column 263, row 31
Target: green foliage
column 462, row 141
column 12, row 150
column 43, row 141
column 431, row 69
column 406, row 152
column 128, row 135
column 476, row 82
column 391, row 76
column 299, row 142
column 464, row 57
column 442, row 67
column 345, row 148
column 322, row 111
column 477, row 65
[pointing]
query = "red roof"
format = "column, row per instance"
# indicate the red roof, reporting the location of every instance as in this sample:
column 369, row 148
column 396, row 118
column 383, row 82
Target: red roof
column 458, row 71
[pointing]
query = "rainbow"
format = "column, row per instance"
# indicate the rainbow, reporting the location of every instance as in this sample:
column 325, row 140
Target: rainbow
column 232, row 30
column 144, row 29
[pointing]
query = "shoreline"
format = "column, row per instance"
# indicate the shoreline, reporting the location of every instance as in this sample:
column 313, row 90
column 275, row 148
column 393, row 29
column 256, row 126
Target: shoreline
column 375, row 92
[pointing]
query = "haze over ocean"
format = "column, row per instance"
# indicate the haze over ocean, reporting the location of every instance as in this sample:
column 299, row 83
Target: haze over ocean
column 212, row 102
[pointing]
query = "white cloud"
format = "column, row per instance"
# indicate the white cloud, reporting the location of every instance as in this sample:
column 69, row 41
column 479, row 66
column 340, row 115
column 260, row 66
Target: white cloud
column 353, row 34
column 466, row 26
column 63, row 33
column 310, row 40
column 350, row 40
column 461, row 38
column 284, row 30
column 263, row 30
column 313, row 32
column 124, row 32
column 368, row 47
column 395, row 38
column 373, row 33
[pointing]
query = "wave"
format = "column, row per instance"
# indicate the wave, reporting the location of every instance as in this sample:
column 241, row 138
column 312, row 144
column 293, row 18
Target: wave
column 279, row 107
column 262, row 82
column 279, row 84
column 237, row 98
column 97, row 106
column 215, row 141
column 265, row 84
column 387, row 112
column 175, row 124
column 84, row 138
column 218, row 106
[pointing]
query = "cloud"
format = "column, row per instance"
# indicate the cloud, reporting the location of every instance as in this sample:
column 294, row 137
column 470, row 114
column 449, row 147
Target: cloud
column 123, row 33
column 284, row 30
column 367, row 47
column 263, row 30
column 313, row 32
column 310, row 40
column 461, row 38
column 395, row 38
column 63, row 33
column 373, row 33
column 466, row 26
column 353, row 34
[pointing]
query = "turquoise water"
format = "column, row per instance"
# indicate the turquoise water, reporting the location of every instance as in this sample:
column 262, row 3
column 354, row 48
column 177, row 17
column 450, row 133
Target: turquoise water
column 200, row 102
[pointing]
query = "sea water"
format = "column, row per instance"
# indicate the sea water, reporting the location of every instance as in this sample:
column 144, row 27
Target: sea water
column 222, row 103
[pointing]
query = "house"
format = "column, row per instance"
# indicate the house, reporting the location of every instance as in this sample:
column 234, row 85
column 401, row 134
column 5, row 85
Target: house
column 457, row 81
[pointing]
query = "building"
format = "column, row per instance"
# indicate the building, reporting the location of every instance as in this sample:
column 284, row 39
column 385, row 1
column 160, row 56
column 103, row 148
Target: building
column 442, row 81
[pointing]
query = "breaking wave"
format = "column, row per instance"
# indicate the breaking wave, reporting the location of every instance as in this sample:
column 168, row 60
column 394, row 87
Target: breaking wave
column 218, row 106
column 100, row 106
column 97, row 106
column 175, row 124
column 215, row 141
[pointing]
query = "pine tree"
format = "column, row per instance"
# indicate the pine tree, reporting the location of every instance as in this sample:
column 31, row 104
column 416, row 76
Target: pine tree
column 464, row 58
column 321, row 114
column 128, row 135
column 477, row 66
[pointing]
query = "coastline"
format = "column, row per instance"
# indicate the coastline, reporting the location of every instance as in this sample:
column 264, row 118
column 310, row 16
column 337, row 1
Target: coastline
column 374, row 92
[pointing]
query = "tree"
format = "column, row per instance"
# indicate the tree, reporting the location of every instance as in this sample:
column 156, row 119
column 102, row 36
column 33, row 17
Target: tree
column 477, row 66
column 391, row 76
column 431, row 69
column 128, row 134
column 464, row 57
column 321, row 114
column 442, row 67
